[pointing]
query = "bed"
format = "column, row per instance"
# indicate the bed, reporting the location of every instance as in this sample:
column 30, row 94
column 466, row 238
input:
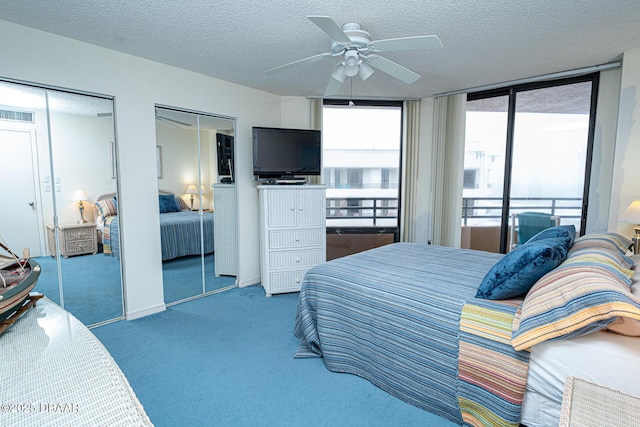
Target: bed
column 180, row 233
column 407, row 318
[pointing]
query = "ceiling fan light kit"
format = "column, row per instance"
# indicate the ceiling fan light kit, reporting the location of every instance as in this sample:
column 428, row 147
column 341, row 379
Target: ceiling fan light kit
column 351, row 63
column 339, row 74
column 360, row 53
column 365, row 71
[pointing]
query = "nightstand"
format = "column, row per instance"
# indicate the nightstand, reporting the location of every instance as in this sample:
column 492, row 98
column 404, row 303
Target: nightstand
column 75, row 239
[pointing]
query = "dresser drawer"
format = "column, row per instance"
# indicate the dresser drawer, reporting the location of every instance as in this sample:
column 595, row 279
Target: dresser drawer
column 77, row 247
column 286, row 281
column 283, row 239
column 78, row 233
column 279, row 260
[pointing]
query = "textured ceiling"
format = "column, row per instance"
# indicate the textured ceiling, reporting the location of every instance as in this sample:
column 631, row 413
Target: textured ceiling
column 485, row 42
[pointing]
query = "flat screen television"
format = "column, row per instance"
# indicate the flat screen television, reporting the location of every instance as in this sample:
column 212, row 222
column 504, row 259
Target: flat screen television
column 224, row 145
column 279, row 153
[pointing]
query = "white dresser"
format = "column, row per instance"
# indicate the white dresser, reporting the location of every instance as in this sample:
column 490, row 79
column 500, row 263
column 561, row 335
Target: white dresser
column 292, row 234
column 225, row 235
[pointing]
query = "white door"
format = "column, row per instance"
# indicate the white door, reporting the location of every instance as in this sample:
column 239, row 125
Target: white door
column 18, row 204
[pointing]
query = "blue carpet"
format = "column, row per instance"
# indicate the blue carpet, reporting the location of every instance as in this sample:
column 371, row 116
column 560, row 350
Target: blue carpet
column 92, row 291
column 182, row 277
column 227, row 360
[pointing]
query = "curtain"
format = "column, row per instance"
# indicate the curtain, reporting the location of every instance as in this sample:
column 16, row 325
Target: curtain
column 447, row 165
column 411, row 166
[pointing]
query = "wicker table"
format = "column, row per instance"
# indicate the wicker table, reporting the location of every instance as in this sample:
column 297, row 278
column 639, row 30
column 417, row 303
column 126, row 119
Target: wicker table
column 56, row 372
column 75, row 239
column 586, row 404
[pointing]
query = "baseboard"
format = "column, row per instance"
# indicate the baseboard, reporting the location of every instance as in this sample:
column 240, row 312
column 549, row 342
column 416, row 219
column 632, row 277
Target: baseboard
column 245, row 283
column 145, row 312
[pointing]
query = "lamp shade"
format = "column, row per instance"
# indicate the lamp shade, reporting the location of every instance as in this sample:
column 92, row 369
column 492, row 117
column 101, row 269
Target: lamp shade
column 192, row 189
column 80, row 195
column 632, row 214
column 365, row 71
column 339, row 74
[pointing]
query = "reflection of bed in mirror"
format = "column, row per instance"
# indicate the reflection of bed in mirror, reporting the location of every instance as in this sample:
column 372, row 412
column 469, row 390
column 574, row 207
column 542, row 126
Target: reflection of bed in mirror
column 179, row 227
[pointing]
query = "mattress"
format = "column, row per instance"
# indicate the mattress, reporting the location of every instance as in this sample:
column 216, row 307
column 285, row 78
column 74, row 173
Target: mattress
column 604, row 358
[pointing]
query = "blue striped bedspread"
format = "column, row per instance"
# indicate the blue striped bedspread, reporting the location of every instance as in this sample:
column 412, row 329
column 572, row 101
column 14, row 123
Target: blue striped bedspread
column 392, row 316
column 179, row 234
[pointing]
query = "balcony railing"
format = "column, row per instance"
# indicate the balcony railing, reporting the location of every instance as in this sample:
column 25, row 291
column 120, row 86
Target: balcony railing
column 367, row 211
column 362, row 211
column 489, row 209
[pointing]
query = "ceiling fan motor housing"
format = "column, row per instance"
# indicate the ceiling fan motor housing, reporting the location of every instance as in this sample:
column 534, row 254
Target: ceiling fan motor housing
column 360, row 39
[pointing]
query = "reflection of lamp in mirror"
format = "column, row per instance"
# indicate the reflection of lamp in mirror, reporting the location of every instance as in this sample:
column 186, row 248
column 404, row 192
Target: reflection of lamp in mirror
column 80, row 196
column 191, row 190
column 632, row 216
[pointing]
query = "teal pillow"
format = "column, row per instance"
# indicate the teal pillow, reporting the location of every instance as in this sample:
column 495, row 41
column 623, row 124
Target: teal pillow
column 168, row 203
column 568, row 231
column 521, row 268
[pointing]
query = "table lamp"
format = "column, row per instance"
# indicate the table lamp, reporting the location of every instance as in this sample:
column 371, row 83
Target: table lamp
column 80, row 196
column 191, row 190
column 632, row 216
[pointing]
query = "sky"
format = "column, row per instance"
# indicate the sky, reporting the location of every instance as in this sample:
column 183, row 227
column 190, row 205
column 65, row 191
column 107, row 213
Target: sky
column 372, row 128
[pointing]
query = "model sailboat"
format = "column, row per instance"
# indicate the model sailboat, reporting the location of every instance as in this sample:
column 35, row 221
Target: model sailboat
column 18, row 277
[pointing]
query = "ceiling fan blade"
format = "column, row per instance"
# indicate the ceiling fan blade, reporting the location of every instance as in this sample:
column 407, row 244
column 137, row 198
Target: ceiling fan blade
column 329, row 26
column 167, row 119
column 393, row 69
column 333, row 87
column 407, row 43
column 303, row 61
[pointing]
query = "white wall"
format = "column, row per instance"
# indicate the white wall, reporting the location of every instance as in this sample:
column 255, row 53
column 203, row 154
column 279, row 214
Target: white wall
column 604, row 143
column 137, row 85
column 626, row 173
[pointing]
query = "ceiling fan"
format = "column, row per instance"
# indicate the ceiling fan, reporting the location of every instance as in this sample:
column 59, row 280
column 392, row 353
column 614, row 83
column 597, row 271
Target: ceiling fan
column 358, row 53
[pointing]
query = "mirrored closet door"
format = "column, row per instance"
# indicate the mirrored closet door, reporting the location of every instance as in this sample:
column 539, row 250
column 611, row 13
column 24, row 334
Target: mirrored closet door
column 58, row 164
column 197, row 202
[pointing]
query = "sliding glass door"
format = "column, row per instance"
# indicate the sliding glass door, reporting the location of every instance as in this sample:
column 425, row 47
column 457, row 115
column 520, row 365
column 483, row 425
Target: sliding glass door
column 528, row 149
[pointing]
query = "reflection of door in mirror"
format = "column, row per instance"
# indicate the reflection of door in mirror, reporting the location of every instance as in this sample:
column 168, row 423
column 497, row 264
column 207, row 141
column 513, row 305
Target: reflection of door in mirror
column 190, row 143
column 61, row 159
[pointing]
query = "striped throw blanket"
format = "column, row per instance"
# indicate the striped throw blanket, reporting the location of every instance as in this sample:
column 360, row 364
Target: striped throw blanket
column 492, row 376
column 394, row 316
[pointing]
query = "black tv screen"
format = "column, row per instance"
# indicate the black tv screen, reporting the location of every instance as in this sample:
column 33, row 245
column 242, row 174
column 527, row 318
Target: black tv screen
column 286, row 152
column 224, row 145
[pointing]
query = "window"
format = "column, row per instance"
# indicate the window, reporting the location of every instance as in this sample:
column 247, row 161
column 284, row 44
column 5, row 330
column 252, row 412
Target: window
column 361, row 158
column 470, row 179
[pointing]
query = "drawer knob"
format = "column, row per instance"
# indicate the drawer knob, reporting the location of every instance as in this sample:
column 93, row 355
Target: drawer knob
column 297, row 280
column 297, row 259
